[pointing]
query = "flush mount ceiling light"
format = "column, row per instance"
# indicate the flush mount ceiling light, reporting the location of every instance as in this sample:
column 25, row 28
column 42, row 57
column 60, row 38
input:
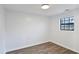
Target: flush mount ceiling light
column 45, row 6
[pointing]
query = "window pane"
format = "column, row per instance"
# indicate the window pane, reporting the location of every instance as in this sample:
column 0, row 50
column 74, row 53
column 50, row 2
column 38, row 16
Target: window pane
column 67, row 26
column 71, row 26
column 62, row 26
column 66, row 21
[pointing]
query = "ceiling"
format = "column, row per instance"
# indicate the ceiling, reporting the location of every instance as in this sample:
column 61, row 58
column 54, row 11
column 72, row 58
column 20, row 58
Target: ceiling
column 36, row 8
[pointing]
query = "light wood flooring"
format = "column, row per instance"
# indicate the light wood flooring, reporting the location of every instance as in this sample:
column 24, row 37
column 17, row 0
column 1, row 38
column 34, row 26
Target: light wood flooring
column 45, row 48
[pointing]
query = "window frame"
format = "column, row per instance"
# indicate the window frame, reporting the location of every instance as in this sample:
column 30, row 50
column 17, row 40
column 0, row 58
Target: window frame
column 68, row 26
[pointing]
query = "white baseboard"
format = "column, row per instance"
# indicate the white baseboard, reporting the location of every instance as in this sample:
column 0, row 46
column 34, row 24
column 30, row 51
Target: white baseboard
column 64, row 46
column 27, row 46
column 44, row 42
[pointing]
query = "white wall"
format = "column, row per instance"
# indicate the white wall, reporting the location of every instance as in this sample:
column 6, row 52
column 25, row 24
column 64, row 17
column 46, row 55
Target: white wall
column 25, row 30
column 68, row 39
column 2, row 30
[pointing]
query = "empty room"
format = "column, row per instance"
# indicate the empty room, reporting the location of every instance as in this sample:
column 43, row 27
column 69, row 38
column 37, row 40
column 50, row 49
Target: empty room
column 39, row 28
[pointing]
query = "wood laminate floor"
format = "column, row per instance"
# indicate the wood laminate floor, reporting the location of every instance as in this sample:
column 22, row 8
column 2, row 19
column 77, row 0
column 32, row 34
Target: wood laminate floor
column 45, row 48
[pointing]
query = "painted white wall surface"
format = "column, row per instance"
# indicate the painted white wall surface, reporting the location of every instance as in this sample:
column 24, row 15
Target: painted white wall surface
column 69, row 39
column 24, row 29
column 2, row 29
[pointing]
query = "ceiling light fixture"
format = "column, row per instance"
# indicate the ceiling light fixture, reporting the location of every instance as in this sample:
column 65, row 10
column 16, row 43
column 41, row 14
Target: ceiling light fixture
column 45, row 6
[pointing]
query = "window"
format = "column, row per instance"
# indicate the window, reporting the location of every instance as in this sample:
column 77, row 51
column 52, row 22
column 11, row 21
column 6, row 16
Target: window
column 67, row 23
